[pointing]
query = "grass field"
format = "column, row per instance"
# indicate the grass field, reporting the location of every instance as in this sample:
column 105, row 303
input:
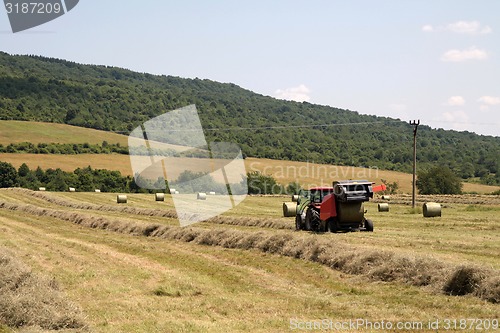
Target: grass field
column 285, row 172
column 227, row 275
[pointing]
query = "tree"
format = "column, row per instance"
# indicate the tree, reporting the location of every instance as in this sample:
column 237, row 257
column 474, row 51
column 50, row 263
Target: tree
column 8, row 175
column 262, row 184
column 439, row 180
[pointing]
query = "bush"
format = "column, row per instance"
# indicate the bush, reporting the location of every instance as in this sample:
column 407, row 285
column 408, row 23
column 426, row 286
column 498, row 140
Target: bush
column 439, row 180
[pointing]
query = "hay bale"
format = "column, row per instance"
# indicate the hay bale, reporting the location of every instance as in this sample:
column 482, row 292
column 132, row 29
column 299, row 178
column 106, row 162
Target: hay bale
column 383, row 207
column 159, row 196
column 97, row 190
column 289, row 209
column 211, row 193
column 172, row 191
column 201, row 196
column 72, row 189
column 176, row 192
column 295, row 198
column 432, row 209
column 41, row 189
column 121, row 198
column 386, row 197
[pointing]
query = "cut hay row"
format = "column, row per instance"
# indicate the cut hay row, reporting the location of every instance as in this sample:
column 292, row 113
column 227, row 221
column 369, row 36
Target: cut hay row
column 466, row 199
column 376, row 265
column 227, row 220
column 32, row 300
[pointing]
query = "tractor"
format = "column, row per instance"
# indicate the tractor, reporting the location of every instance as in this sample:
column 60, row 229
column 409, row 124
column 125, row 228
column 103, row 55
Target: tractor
column 336, row 208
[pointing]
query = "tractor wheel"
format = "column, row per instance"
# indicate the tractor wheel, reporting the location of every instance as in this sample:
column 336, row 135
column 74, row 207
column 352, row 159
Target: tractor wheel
column 312, row 220
column 298, row 223
column 369, row 225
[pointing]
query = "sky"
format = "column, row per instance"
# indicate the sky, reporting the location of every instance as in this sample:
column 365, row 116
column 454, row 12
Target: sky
column 437, row 61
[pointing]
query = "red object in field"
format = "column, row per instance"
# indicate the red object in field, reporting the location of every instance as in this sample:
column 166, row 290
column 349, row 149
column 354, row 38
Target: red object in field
column 379, row 188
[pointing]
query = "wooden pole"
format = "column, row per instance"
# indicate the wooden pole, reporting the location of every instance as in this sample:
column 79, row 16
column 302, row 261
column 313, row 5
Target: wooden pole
column 414, row 183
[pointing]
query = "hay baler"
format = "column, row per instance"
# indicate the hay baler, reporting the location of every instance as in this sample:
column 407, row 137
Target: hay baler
column 336, row 208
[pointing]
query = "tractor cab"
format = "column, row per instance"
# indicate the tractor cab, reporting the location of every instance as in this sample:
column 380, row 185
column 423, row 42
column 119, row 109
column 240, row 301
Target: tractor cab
column 315, row 195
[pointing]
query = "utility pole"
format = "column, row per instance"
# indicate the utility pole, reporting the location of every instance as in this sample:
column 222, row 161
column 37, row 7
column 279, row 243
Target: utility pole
column 415, row 128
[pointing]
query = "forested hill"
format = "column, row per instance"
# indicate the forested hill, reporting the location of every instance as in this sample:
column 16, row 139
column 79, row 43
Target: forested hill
column 108, row 98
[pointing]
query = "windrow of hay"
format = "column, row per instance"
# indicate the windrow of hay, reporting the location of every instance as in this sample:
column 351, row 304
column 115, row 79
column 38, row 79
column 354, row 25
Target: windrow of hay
column 228, row 220
column 467, row 199
column 376, row 265
column 32, row 300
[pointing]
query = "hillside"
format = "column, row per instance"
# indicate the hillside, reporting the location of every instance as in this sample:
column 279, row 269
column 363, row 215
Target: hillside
column 284, row 172
column 114, row 99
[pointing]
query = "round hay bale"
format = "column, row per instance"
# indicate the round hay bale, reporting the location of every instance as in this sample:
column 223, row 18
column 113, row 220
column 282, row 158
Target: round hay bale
column 383, row 207
column 432, row 209
column 211, row 193
column 159, row 196
column 386, row 197
column 41, row 189
column 72, row 189
column 295, row 198
column 172, row 191
column 201, row 196
column 121, row 198
column 97, row 190
column 289, row 209
column 176, row 192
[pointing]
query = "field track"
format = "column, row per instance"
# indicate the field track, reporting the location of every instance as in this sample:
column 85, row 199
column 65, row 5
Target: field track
column 30, row 220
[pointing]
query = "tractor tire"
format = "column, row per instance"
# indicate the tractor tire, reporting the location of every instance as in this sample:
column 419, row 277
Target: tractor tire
column 298, row 223
column 313, row 222
column 369, row 225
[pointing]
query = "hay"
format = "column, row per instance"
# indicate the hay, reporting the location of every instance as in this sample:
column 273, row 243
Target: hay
column 41, row 189
column 295, row 198
column 383, row 207
column 173, row 191
column 464, row 280
column 30, row 300
column 72, row 189
column 352, row 259
column 201, row 196
column 386, row 197
column 159, row 196
column 211, row 193
column 289, row 209
column 121, row 198
column 97, row 190
column 432, row 209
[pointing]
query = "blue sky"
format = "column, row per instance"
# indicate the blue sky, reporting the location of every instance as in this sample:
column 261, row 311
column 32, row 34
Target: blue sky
column 438, row 61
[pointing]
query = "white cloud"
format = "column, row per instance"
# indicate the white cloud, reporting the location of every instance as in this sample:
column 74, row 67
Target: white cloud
column 455, row 101
column 468, row 27
column 461, row 27
column 489, row 100
column 458, row 119
column 298, row 94
column 471, row 53
column 428, row 28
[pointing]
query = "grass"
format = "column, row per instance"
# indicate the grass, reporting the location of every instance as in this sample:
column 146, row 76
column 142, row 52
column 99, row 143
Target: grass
column 144, row 284
column 12, row 131
column 285, row 172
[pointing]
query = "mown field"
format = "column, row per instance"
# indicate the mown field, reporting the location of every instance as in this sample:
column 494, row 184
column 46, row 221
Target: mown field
column 130, row 268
